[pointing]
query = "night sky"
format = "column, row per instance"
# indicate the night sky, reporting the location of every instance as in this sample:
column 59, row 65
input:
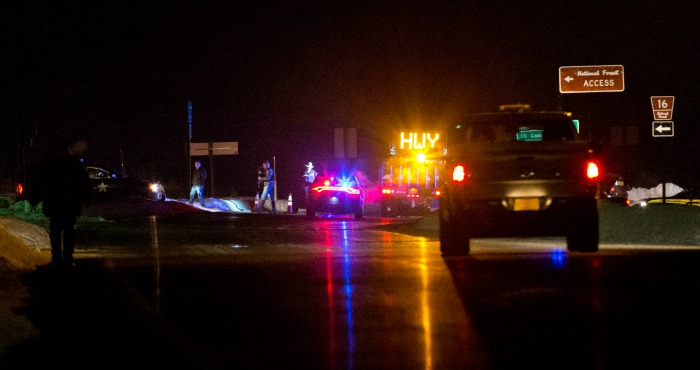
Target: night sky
column 279, row 76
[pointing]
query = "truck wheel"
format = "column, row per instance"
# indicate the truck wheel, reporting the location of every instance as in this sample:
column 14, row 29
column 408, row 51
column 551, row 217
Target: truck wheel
column 387, row 210
column 586, row 236
column 454, row 241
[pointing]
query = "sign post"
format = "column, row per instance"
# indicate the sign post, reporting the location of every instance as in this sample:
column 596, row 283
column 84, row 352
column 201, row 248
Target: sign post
column 189, row 141
column 588, row 79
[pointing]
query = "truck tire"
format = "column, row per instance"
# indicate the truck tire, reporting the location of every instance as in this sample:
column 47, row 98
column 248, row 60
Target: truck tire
column 454, row 240
column 386, row 209
column 585, row 238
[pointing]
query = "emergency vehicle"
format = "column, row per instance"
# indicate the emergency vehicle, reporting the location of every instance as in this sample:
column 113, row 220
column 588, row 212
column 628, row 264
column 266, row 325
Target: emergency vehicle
column 409, row 176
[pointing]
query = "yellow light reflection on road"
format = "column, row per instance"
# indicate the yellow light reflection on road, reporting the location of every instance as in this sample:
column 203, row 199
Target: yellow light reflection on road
column 155, row 251
column 425, row 305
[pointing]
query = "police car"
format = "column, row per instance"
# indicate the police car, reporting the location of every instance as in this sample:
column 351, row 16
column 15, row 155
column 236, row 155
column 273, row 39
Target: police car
column 110, row 184
column 336, row 195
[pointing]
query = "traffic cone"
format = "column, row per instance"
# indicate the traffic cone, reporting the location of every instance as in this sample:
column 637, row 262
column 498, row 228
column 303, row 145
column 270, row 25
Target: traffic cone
column 289, row 204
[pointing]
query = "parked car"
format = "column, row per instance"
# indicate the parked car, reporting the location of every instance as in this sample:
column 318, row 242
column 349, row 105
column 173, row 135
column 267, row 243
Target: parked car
column 518, row 173
column 336, row 195
column 109, row 184
column 615, row 188
column 689, row 197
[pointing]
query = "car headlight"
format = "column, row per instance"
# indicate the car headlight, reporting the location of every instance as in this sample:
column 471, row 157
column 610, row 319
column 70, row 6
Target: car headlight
column 154, row 187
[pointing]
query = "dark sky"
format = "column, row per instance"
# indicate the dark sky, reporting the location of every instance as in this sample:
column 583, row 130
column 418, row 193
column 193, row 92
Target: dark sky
column 278, row 76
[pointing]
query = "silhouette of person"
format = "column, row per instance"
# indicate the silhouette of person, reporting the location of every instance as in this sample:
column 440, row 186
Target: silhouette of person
column 65, row 190
column 261, row 180
column 268, row 187
column 199, row 178
column 309, row 178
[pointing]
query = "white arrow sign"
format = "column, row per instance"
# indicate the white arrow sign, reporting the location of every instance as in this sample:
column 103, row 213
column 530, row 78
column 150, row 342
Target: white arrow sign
column 662, row 129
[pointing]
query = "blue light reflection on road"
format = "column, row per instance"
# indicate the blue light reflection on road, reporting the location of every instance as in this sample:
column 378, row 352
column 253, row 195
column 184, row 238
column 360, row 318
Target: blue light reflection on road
column 348, row 294
column 332, row 245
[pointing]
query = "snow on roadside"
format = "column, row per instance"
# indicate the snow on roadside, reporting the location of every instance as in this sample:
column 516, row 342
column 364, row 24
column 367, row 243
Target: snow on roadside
column 637, row 194
column 21, row 243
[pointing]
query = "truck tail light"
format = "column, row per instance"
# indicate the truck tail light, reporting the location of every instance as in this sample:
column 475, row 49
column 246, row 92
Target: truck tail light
column 459, row 173
column 592, row 170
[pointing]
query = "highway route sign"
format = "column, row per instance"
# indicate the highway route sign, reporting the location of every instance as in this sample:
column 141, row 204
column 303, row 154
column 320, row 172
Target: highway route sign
column 662, row 129
column 662, row 107
column 589, row 79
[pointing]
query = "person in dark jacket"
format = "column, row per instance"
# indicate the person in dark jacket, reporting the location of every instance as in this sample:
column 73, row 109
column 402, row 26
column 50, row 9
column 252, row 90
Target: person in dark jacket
column 199, row 178
column 65, row 189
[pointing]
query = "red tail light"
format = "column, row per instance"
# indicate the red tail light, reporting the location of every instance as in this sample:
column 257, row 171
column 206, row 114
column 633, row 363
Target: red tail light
column 459, row 173
column 20, row 189
column 592, row 170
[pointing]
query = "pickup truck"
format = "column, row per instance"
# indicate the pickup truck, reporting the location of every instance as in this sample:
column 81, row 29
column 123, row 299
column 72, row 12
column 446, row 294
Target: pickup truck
column 518, row 174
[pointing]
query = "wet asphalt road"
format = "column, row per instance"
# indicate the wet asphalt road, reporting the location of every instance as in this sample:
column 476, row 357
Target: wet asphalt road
column 246, row 291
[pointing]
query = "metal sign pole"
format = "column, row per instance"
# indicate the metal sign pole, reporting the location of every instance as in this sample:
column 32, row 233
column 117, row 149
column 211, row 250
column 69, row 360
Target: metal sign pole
column 189, row 141
column 211, row 168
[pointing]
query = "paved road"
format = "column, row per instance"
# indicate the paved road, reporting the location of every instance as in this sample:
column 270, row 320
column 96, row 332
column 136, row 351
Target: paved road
column 209, row 291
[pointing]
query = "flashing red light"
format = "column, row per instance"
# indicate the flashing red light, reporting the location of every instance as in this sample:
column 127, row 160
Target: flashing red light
column 592, row 170
column 459, row 173
column 437, row 192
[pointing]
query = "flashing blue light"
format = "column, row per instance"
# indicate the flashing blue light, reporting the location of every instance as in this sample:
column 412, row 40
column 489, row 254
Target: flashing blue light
column 558, row 257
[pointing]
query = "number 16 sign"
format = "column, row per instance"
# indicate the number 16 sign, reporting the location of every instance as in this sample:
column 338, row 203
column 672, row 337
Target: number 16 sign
column 662, row 107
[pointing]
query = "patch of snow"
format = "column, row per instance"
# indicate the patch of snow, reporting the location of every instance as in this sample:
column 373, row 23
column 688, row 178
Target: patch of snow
column 637, row 194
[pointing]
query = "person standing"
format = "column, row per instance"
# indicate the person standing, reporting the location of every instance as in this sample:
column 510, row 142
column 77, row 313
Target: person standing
column 65, row 190
column 309, row 178
column 261, row 180
column 268, row 187
column 199, row 178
